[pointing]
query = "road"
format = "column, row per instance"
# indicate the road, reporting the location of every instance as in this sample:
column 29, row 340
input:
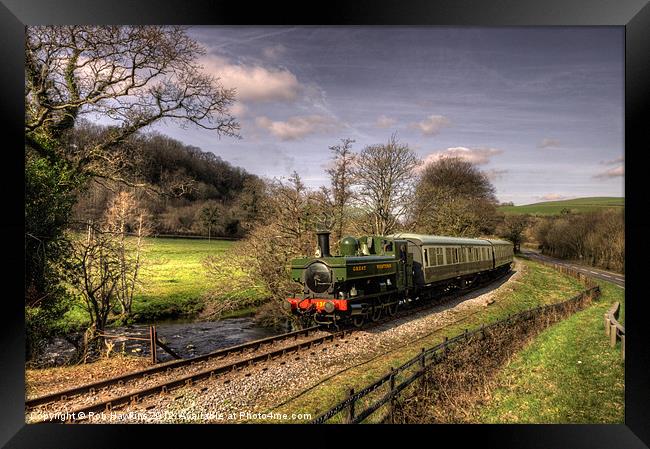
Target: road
column 615, row 278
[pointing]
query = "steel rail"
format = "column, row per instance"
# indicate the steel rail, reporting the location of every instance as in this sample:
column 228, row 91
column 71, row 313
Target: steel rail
column 134, row 397
column 221, row 353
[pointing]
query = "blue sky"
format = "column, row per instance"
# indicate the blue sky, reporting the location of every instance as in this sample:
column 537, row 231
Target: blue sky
column 541, row 110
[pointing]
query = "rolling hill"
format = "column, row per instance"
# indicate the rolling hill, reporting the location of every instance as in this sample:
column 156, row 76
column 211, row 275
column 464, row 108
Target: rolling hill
column 576, row 205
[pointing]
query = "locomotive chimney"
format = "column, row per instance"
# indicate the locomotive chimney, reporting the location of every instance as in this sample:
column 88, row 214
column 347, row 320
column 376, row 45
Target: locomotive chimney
column 324, row 243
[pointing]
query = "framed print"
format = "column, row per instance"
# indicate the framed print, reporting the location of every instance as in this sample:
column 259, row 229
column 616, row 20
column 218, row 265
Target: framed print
column 374, row 212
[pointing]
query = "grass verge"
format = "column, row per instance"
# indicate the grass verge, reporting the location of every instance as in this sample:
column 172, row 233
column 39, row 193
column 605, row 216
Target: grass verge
column 538, row 285
column 568, row 374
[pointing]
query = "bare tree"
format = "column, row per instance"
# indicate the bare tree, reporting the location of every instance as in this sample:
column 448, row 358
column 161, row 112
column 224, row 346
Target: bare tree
column 124, row 216
column 292, row 210
column 384, row 174
column 453, row 197
column 210, row 216
column 95, row 277
column 291, row 214
column 513, row 227
column 340, row 193
column 134, row 75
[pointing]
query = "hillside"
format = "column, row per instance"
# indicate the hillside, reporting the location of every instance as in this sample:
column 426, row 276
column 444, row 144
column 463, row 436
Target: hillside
column 190, row 180
column 576, row 205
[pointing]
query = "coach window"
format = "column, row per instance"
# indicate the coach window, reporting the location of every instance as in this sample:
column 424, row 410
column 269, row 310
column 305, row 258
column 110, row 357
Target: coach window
column 426, row 257
column 439, row 257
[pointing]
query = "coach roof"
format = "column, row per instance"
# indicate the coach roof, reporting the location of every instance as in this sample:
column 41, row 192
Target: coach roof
column 443, row 240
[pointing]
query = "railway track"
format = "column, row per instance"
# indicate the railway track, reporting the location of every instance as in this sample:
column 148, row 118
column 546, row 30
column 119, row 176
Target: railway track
column 96, row 388
column 113, row 393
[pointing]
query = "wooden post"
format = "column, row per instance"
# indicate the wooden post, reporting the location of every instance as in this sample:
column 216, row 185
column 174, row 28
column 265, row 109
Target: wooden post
column 623, row 347
column 392, row 398
column 152, row 340
column 608, row 325
column 612, row 335
column 350, row 417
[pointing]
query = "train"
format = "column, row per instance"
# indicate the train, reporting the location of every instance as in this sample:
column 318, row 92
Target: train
column 372, row 276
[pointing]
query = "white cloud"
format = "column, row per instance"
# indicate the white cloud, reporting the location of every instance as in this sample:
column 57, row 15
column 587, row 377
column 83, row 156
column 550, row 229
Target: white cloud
column 254, row 82
column 478, row 156
column 549, row 143
column 384, row 121
column 274, row 52
column 611, row 173
column 432, row 125
column 552, row 197
column 238, row 109
column 296, row 127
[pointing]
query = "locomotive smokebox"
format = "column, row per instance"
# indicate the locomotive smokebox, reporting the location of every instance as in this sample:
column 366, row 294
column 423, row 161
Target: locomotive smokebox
column 324, row 243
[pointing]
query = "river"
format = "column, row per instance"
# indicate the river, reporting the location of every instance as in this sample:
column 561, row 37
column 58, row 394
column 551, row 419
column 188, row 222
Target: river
column 185, row 337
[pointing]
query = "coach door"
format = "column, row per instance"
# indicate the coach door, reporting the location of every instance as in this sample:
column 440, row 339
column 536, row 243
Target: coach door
column 415, row 252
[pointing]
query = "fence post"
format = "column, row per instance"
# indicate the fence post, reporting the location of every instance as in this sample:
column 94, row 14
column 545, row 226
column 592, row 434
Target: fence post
column 623, row 346
column 152, row 342
column 612, row 335
column 392, row 398
column 350, row 417
column 446, row 344
column 607, row 325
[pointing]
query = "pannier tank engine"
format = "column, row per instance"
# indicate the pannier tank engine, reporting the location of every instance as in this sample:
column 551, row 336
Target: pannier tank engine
column 371, row 276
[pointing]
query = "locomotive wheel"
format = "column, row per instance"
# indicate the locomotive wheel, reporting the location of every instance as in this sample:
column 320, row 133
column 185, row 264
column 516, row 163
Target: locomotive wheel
column 376, row 313
column 358, row 320
column 392, row 308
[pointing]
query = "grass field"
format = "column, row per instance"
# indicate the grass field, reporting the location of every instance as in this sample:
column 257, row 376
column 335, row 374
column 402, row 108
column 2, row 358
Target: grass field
column 173, row 279
column 568, row 374
column 539, row 285
column 576, row 205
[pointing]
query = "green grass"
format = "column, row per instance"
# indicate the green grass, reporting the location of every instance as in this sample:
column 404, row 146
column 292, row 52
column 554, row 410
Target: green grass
column 539, row 285
column 568, row 374
column 576, row 205
column 173, row 280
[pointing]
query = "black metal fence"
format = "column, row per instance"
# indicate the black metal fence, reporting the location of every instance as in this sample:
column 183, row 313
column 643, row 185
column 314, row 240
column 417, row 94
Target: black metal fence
column 360, row 405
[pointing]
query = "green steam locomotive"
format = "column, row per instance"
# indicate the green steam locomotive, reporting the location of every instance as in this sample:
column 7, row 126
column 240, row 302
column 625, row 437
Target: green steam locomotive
column 373, row 275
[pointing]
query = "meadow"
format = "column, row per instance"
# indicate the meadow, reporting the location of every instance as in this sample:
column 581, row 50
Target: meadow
column 576, row 205
column 173, row 280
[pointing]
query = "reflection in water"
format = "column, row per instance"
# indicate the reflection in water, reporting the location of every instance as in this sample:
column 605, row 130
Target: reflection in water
column 186, row 338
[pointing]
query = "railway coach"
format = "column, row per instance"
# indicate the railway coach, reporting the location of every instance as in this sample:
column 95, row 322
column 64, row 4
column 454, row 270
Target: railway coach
column 372, row 275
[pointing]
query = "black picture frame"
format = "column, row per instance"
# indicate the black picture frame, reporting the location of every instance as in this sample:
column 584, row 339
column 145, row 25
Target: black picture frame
column 634, row 15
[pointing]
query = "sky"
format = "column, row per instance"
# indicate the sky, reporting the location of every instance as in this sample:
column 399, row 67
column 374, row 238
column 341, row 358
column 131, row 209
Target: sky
column 538, row 109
